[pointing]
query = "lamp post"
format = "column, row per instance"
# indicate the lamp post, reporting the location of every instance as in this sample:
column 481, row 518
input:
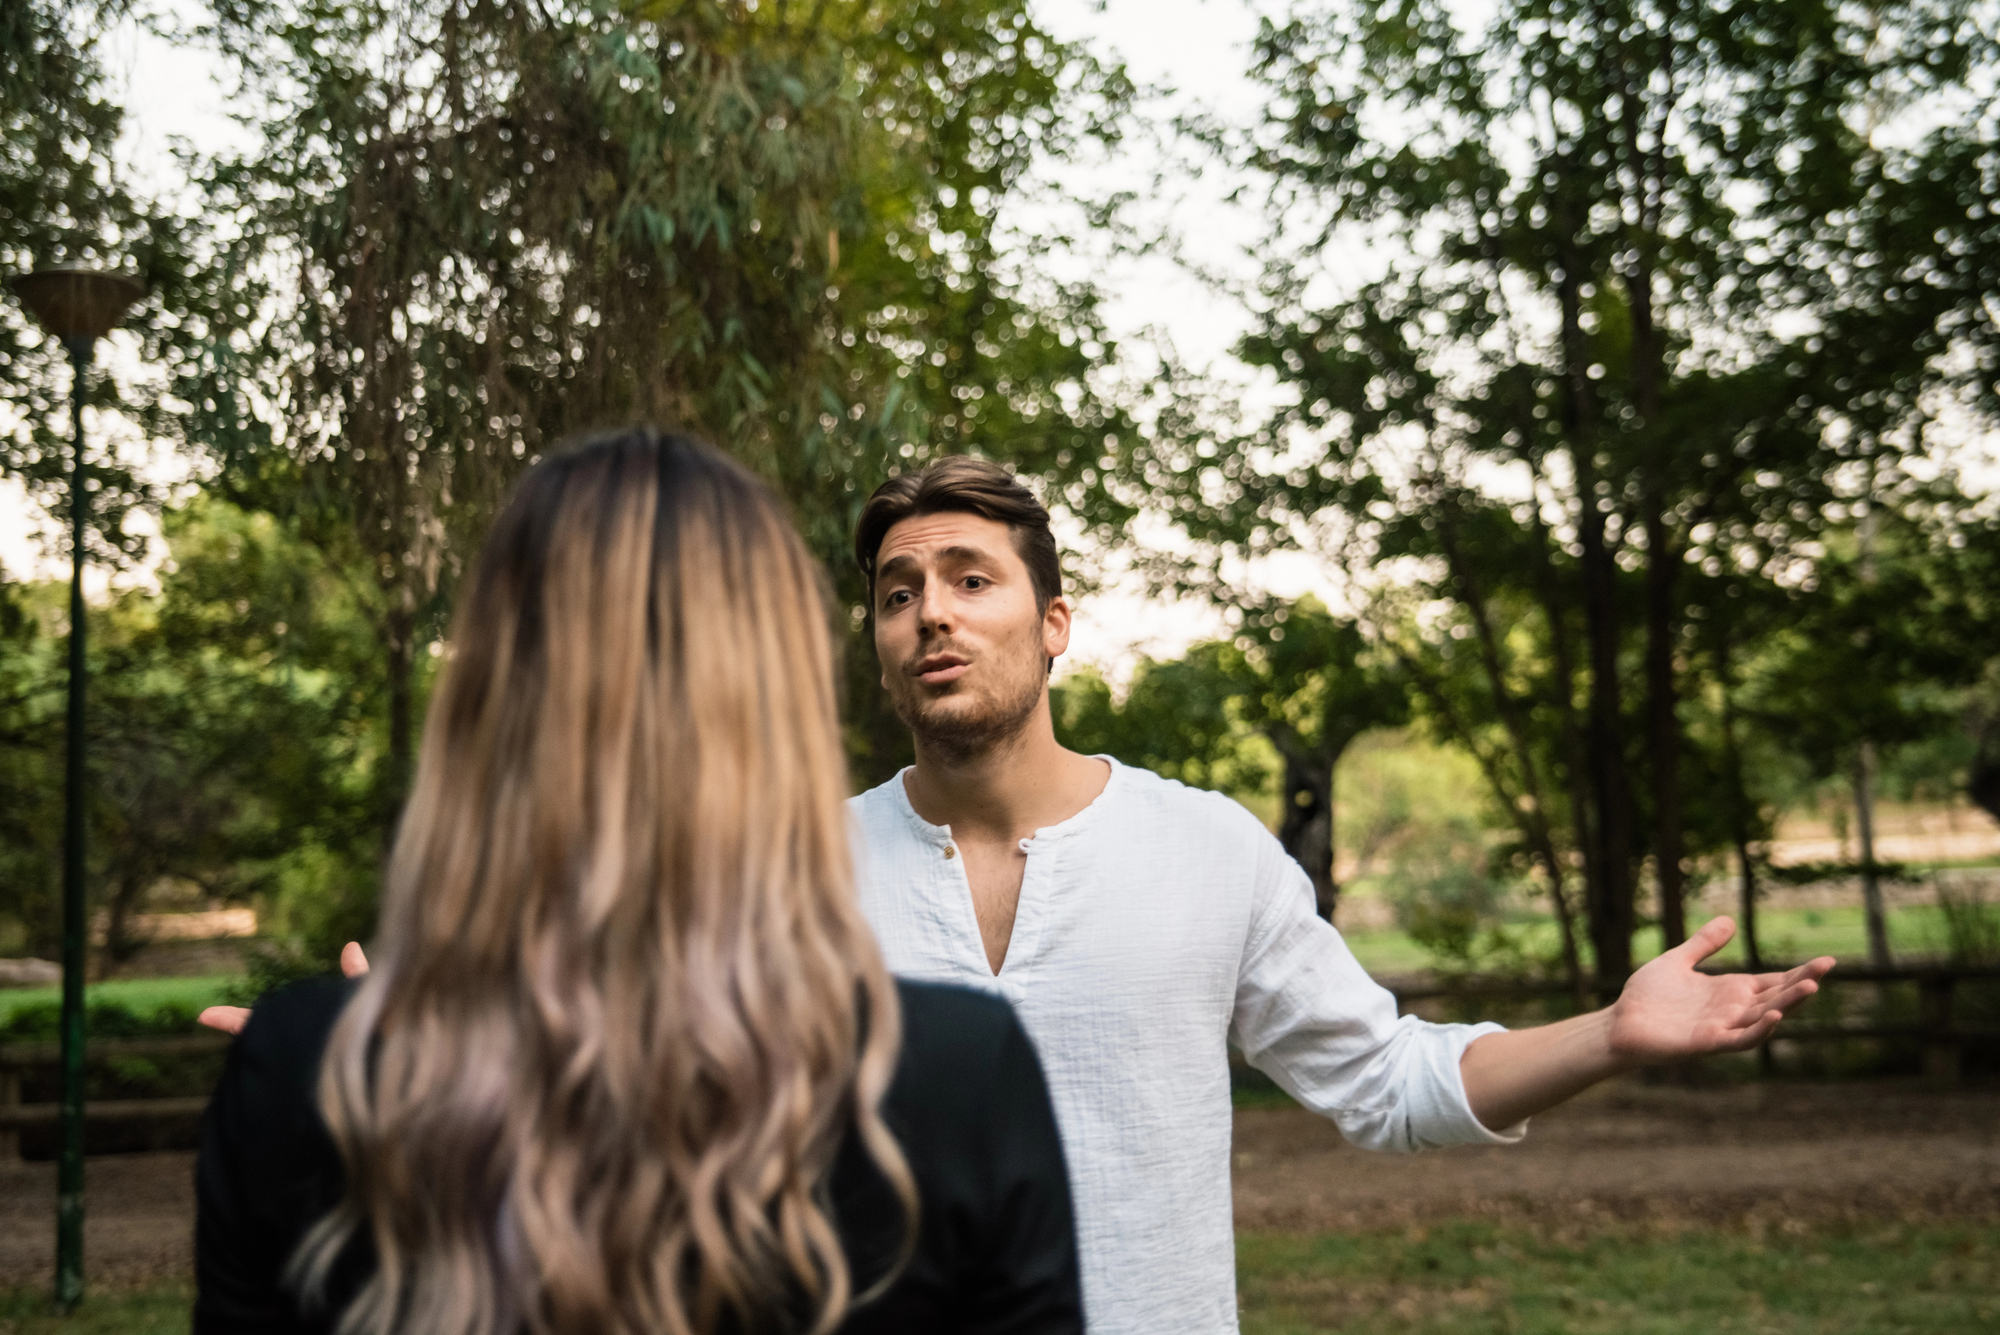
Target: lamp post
column 79, row 306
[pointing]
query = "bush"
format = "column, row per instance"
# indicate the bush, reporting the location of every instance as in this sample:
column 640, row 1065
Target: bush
column 41, row 1021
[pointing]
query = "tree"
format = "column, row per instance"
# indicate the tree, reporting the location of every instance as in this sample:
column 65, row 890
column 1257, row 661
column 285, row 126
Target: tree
column 63, row 200
column 1307, row 682
column 1877, row 653
column 1668, row 302
column 1312, row 683
column 473, row 229
column 1178, row 719
column 227, row 736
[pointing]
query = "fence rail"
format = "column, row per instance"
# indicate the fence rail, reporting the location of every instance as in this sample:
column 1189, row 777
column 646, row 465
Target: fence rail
column 16, row 1116
column 1943, row 1041
column 24, row 1115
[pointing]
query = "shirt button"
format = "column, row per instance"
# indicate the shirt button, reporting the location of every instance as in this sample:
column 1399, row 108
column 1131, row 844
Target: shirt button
column 950, row 852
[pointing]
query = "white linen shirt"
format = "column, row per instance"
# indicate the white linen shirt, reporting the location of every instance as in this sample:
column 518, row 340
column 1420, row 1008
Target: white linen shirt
column 1155, row 927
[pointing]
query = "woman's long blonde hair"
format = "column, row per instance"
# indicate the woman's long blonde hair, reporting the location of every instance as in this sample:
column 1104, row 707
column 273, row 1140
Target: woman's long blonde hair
column 623, row 1007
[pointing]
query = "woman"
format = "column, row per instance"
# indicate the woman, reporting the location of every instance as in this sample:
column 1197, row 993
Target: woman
column 628, row 1060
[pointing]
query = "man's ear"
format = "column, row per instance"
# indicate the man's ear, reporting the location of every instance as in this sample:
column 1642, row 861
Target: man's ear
column 1055, row 627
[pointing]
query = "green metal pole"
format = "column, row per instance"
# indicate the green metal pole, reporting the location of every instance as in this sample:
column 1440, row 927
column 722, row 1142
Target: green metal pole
column 69, row 1175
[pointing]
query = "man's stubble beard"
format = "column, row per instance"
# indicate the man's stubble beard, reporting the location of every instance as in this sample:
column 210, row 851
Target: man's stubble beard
column 960, row 736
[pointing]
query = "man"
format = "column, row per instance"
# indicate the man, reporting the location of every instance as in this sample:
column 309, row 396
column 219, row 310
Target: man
column 1139, row 927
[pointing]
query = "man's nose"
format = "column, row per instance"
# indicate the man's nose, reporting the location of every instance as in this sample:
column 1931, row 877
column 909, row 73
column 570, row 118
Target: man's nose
column 934, row 609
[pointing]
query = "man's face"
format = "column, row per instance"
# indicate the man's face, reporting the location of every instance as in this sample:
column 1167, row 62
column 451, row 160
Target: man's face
column 964, row 649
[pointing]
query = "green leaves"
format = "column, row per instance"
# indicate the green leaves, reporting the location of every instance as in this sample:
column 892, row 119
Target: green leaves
column 1664, row 291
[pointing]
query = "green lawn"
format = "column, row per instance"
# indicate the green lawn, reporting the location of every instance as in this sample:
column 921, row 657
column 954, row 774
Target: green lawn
column 162, row 1311
column 1470, row 1279
column 1787, row 935
column 141, row 995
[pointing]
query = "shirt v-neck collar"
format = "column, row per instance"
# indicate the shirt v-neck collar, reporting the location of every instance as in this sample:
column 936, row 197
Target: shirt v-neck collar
column 941, row 835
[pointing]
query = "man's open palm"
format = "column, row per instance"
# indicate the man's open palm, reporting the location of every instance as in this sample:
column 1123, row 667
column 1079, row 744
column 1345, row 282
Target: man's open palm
column 1670, row 1010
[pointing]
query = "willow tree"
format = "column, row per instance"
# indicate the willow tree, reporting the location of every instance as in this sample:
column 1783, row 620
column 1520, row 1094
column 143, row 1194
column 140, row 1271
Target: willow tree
column 474, row 227
column 1673, row 282
column 65, row 200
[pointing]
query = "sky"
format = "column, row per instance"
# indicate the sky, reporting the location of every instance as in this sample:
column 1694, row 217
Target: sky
column 1192, row 52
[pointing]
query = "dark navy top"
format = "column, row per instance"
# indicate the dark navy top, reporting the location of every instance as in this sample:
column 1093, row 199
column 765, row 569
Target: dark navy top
column 996, row 1245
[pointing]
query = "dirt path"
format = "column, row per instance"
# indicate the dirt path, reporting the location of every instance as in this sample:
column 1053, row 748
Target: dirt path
column 1633, row 1152
column 1766, row 1154
column 138, row 1226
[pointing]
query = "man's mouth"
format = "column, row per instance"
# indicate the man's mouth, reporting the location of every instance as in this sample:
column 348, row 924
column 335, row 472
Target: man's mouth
column 940, row 668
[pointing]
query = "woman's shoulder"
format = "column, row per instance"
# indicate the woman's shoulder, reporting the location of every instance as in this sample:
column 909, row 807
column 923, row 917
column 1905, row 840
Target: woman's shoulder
column 940, row 1019
column 289, row 1026
column 961, row 1047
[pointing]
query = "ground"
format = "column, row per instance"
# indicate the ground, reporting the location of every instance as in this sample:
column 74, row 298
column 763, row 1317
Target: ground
column 1631, row 1152
column 1740, row 1201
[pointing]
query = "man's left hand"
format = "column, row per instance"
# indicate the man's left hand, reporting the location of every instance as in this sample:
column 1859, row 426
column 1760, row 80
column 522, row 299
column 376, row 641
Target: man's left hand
column 1670, row 1010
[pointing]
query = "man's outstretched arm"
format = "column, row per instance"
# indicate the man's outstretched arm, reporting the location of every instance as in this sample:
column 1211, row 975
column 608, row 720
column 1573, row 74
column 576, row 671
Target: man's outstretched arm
column 1668, row 1012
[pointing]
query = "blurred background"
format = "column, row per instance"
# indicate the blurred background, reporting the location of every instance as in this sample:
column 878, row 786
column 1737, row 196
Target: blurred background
column 1540, row 457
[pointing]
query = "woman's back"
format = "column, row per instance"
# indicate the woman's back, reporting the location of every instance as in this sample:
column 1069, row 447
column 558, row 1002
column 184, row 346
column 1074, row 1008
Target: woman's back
column 626, row 1023
column 995, row 1250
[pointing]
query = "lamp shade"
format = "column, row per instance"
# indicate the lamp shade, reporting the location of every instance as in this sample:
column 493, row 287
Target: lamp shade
column 75, row 303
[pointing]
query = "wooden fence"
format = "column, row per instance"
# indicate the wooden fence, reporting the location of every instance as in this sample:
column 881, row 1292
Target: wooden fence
column 1936, row 1028
column 1942, row 1039
column 16, row 1058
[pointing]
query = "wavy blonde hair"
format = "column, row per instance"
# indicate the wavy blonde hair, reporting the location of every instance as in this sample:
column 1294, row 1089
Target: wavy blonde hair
column 624, row 1007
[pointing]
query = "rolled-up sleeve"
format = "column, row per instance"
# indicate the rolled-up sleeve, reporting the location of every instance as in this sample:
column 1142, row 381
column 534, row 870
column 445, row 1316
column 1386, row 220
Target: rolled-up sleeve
column 1311, row 1018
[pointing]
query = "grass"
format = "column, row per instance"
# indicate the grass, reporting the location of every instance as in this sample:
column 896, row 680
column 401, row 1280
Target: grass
column 140, row 995
column 1786, row 935
column 160, row 1311
column 1470, row 1279
column 1476, row 1279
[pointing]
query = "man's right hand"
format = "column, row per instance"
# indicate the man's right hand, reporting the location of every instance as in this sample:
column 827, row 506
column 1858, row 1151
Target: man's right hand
column 231, row 1019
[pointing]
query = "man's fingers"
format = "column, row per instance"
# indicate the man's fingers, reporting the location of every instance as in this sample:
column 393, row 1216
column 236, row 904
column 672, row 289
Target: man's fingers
column 1754, row 1033
column 353, row 961
column 1814, row 968
column 1713, row 936
column 1775, row 984
column 229, row 1019
column 1784, row 998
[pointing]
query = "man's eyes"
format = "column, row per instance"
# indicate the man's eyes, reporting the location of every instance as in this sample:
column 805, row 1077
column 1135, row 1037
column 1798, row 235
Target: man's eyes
column 898, row 597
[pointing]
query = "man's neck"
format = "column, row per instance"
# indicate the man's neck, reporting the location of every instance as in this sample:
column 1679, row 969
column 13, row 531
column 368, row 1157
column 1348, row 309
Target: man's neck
column 1026, row 783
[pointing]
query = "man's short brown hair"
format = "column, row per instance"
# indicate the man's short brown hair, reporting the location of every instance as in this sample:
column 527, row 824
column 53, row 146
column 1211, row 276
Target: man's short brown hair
column 960, row 484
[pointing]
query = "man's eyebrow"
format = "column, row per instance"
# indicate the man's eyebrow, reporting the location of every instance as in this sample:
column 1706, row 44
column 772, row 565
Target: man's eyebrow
column 958, row 552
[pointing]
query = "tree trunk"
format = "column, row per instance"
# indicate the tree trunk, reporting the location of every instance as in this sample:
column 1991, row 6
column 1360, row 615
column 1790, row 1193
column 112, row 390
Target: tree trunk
column 1612, row 916
column 1871, row 885
column 1574, row 765
column 399, row 636
column 1610, row 904
column 1662, row 707
column 1530, row 818
column 119, row 943
column 1641, row 99
column 1746, row 874
column 1306, row 827
column 1536, row 824
column 1739, row 806
column 1982, row 780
